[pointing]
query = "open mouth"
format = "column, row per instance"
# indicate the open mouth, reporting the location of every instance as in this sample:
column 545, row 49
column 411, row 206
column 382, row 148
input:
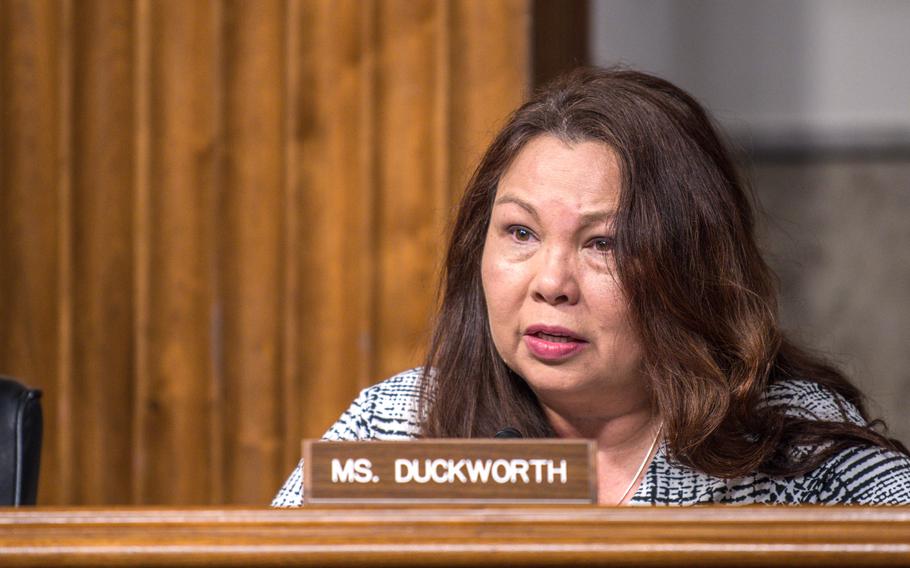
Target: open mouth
column 553, row 334
column 554, row 338
column 553, row 344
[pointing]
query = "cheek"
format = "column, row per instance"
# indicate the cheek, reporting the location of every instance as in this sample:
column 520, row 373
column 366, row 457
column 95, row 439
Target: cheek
column 502, row 285
column 606, row 299
column 604, row 294
column 501, row 290
column 617, row 327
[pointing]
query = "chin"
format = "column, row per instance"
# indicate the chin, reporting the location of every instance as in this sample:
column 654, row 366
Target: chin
column 555, row 379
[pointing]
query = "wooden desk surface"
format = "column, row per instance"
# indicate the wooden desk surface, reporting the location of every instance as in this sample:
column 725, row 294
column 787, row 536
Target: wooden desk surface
column 439, row 536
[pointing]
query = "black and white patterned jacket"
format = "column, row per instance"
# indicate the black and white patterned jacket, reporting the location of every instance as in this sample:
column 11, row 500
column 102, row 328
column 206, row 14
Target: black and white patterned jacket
column 859, row 475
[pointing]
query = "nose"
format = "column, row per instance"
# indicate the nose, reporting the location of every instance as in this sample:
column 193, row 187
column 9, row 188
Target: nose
column 555, row 280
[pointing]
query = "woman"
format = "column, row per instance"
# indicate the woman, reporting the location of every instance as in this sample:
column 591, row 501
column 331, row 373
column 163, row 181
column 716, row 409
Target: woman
column 603, row 281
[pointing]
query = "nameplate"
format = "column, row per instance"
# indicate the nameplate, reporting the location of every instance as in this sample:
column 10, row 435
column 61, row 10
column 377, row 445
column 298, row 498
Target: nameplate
column 450, row 471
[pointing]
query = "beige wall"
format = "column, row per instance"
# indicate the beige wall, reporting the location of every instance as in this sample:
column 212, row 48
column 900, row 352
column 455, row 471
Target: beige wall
column 837, row 233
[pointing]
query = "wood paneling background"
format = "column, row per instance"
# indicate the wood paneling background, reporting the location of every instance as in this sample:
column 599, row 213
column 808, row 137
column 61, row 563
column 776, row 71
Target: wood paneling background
column 221, row 219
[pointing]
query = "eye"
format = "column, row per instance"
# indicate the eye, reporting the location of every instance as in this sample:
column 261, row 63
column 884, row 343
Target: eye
column 520, row 234
column 602, row 244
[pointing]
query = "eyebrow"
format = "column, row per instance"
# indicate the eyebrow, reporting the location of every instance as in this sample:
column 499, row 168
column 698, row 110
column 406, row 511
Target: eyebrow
column 590, row 218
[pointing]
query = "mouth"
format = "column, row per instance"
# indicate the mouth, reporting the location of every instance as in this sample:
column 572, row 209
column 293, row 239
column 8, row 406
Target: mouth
column 553, row 338
column 552, row 344
column 554, row 334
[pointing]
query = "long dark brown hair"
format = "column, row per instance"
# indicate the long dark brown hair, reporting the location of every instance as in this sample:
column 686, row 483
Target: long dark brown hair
column 702, row 299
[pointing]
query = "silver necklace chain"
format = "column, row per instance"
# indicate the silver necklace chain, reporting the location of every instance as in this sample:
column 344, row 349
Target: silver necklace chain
column 641, row 467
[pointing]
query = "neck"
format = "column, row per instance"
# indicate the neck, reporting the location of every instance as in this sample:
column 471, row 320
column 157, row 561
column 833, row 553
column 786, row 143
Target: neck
column 614, row 433
column 614, row 420
column 624, row 443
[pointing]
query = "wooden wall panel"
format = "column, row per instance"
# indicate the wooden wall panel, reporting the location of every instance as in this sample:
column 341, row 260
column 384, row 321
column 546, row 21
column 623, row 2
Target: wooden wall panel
column 491, row 70
column 184, row 334
column 249, row 247
column 34, row 216
column 412, row 66
column 221, row 219
column 330, row 136
column 103, row 155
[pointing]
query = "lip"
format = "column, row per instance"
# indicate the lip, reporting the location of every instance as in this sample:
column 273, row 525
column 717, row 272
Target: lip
column 552, row 350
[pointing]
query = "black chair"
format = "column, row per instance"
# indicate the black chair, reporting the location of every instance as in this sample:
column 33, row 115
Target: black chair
column 20, row 443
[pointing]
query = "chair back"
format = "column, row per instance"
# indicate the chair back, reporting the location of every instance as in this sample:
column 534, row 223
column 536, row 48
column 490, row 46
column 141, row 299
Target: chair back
column 20, row 443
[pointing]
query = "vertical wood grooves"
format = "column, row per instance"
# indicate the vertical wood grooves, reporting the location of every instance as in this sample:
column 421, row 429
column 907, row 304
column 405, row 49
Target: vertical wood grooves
column 442, row 150
column 218, row 227
column 225, row 218
column 284, row 431
column 65, row 438
column 103, row 171
column 184, row 158
column 214, row 219
column 290, row 296
column 379, row 100
column 303, row 152
column 406, row 135
column 33, row 178
column 251, row 241
column 369, row 327
column 331, row 200
column 141, row 243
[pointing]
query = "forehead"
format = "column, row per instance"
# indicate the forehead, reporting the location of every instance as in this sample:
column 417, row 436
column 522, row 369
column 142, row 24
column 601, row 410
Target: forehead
column 549, row 171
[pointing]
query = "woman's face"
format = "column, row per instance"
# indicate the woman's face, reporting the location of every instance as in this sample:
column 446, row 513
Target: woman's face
column 557, row 314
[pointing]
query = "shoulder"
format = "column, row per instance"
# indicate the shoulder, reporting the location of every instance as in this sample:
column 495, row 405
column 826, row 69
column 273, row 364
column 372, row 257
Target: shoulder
column 811, row 401
column 385, row 411
column 861, row 474
column 864, row 475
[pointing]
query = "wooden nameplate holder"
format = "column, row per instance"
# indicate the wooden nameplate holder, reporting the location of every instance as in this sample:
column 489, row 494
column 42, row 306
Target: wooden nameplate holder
column 450, row 471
